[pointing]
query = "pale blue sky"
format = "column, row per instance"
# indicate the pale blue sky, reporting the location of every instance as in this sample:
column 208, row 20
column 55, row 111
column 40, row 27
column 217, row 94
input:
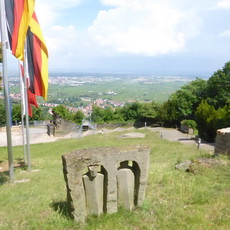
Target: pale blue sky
column 189, row 37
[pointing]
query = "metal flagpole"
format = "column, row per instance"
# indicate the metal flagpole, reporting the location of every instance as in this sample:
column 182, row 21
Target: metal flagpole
column 6, row 92
column 26, row 109
column 22, row 83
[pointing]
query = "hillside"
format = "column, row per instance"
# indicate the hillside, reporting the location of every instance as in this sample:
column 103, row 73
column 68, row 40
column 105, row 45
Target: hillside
column 174, row 199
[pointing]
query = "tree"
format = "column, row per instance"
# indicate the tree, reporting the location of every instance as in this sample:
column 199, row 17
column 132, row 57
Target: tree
column 61, row 111
column 149, row 112
column 39, row 114
column 0, row 62
column 0, row 82
column 78, row 117
column 108, row 115
column 169, row 114
column 0, row 52
column 189, row 97
column 210, row 119
column 190, row 123
column 117, row 116
column 131, row 112
column 2, row 115
column 183, row 103
column 16, row 113
column 218, row 87
column 97, row 114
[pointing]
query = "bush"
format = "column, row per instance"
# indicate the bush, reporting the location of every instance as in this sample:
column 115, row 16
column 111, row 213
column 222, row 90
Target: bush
column 190, row 123
column 210, row 119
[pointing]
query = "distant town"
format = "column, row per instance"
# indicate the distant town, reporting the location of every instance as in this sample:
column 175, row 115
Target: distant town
column 103, row 103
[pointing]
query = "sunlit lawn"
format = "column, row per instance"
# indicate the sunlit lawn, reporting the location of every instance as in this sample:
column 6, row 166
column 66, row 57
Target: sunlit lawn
column 174, row 199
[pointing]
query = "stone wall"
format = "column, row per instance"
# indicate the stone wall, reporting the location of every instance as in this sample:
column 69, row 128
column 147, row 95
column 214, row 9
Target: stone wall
column 100, row 180
column 222, row 143
column 186, row 129
column 62, row 127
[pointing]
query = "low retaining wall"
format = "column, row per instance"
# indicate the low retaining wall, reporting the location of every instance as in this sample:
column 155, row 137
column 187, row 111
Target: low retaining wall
column 102, row 179
column 222, row 143
column 17, row 128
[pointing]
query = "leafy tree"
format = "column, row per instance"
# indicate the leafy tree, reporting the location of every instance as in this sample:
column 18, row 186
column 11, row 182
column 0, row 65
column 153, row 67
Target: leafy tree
column 189, row 97
column 0, row 82
column 39, row 114
column 218, row 87
column 190, row 123
column 210, row 119
column 78, row 117
column 134, row 112
column 148, row 112
column 169, row 114
column 2, row 114
column 16, row 113
column 183, row 103
column 45, row 113
column 0, row 62
column 108, row 114
column 0, row 52
column 117, row 116
column 61, row 111
column 131, row 112
column 97, row 114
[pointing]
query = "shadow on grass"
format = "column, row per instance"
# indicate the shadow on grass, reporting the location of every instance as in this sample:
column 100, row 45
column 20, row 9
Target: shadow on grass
column 4, row 169
column 4, row 177
column 20, row 164
column 62, row 208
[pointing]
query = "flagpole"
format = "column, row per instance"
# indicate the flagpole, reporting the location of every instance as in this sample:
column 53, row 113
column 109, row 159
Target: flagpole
column 6, row 92
column 27, row 129
column 26, row 108
column 23, row 139
column 22, row 83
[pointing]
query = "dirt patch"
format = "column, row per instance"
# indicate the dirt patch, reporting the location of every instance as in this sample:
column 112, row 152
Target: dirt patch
column 194, row 166
column 208, row 162
column 4, row 166
column 132, row 135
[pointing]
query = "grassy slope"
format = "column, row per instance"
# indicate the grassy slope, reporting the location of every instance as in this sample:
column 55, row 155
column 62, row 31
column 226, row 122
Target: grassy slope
column 174, row 199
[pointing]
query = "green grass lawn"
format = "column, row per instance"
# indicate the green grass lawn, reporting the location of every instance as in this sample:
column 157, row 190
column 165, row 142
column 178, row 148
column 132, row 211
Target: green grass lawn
column 174, row 199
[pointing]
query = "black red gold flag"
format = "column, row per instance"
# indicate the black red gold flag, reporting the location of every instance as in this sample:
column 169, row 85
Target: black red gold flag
column 18, row 14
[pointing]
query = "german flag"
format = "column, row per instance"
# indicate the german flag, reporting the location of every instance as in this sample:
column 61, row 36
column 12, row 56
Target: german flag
column 37, row 53
column 31, row 101
column 37, row 57
column 31, row 96
column 19, row 14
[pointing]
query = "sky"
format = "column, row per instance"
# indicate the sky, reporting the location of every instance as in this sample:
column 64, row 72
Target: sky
column 166, row 37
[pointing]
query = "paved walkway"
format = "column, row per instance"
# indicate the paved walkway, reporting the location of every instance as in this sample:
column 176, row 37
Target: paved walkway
column 39, row 135
column 175, row 135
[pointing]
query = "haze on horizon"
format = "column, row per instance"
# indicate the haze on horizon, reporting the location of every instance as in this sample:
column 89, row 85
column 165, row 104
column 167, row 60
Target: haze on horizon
column 165, row 37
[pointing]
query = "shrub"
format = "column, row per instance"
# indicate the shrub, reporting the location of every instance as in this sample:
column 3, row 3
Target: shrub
column 210, row 119
column 190, row 123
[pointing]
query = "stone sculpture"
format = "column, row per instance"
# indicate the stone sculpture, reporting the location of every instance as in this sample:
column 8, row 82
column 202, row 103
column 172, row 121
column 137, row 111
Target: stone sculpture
column 100, row 180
